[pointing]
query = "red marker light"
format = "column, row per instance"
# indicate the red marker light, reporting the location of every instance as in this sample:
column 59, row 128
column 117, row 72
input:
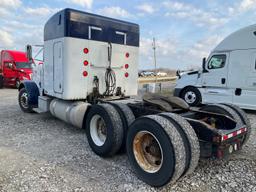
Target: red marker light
column 225, row 137
column 85, row 73
column 86, row 63
column 86, row 50
column 126, row 75
column 127, row 55
column 126, row 66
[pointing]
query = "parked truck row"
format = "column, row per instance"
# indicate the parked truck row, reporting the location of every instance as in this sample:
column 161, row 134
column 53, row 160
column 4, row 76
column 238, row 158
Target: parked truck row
column 89, row 78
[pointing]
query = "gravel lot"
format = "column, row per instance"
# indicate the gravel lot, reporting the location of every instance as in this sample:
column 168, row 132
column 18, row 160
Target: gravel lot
column 41, row 153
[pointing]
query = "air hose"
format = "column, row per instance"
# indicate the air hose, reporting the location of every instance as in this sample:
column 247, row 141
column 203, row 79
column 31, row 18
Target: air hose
column 110, row 76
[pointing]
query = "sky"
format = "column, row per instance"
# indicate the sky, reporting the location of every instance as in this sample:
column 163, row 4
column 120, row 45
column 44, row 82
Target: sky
column 185, row 30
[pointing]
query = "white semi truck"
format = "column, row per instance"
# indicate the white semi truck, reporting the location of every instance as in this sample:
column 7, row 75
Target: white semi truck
column 228, row 75
column 88, row 78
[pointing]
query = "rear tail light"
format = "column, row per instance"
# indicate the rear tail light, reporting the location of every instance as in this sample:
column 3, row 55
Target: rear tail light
column 233, row 134
column 126, row 75
column 85, row 73
column 126, row 66
column 86, row 50
column 86, row 63
column 127, row 55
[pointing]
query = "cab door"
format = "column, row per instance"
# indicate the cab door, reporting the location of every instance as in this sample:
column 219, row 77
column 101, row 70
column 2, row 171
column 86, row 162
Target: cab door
column 8, row 72
column 216, row 74
column 58, row 67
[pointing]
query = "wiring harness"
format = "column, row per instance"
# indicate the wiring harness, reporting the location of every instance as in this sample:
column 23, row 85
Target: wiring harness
column 110, row 76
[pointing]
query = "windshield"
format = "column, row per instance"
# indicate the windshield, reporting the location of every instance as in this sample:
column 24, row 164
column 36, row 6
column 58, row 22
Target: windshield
column 23, row 65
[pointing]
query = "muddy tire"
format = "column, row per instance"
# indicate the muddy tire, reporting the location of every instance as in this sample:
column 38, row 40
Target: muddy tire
column 243, row 118
column 190, row 140
column 127, row 118
column 23, row 101
column 104, row 130
column 156, row 150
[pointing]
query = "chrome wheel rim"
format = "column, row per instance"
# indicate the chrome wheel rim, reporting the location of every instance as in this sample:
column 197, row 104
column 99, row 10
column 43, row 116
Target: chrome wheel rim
column 24, row 100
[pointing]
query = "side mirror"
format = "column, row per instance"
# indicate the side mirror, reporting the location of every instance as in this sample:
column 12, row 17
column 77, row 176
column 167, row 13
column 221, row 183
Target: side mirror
column 10, row 65
column 29, row 52
column 204, row 65
column 178, row 74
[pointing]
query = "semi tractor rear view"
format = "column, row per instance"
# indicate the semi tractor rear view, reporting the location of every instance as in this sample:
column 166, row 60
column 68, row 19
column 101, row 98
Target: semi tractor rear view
column 89, row 78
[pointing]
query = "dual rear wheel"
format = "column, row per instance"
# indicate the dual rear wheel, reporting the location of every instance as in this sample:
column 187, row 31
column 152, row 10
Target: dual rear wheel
column 161, row 148
column 107, row 126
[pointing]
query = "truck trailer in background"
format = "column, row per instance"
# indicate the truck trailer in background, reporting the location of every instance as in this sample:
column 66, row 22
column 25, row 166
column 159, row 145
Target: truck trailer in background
column 228, row 75
column 14, row 68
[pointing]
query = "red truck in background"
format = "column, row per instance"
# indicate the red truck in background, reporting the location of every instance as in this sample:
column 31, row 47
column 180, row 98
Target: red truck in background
column 14, row 68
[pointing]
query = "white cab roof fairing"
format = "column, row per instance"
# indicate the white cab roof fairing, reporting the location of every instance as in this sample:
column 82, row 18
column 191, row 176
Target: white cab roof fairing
column 244, row 38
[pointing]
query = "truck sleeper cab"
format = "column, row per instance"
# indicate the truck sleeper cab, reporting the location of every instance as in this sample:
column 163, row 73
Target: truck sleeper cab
column 228, row 75
column 91, row 63
column 15, row 67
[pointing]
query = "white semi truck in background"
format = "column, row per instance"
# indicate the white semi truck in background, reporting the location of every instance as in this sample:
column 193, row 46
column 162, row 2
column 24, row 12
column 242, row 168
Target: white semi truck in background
column 88, row 77
column 228, row 75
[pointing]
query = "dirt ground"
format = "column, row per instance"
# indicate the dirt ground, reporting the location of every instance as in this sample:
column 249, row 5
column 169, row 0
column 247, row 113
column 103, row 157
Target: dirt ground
column 41, row 153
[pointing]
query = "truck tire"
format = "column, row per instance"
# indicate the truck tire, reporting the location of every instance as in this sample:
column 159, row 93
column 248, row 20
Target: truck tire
column 17, row 83
column 192, row 96
column 1, row 81
column 156, row 150
column 243, row 118
column 127, row 118
column 104, row 130
column 23, row 101
column 227, row 110
column 190, row 140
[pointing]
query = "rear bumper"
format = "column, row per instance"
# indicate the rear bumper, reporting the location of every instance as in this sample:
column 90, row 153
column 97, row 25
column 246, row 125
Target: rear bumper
column 224, row 143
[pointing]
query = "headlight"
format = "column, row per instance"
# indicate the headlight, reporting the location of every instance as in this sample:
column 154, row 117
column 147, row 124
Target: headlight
column 25, row 78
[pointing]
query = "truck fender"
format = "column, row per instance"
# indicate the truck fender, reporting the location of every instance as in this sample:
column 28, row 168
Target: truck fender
column 32, row 90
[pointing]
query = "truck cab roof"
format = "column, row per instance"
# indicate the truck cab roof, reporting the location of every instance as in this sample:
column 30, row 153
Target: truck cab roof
column 244, row 38
column 74, row 23
column 16, row 55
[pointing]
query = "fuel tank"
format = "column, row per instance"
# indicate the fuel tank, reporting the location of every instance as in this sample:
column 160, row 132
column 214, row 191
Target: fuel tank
column 71, row 112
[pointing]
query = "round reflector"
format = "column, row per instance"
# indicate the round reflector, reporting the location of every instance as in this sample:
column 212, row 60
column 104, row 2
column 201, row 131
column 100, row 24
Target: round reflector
column 85, row 73
column 86, row 50
column 86, row 63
